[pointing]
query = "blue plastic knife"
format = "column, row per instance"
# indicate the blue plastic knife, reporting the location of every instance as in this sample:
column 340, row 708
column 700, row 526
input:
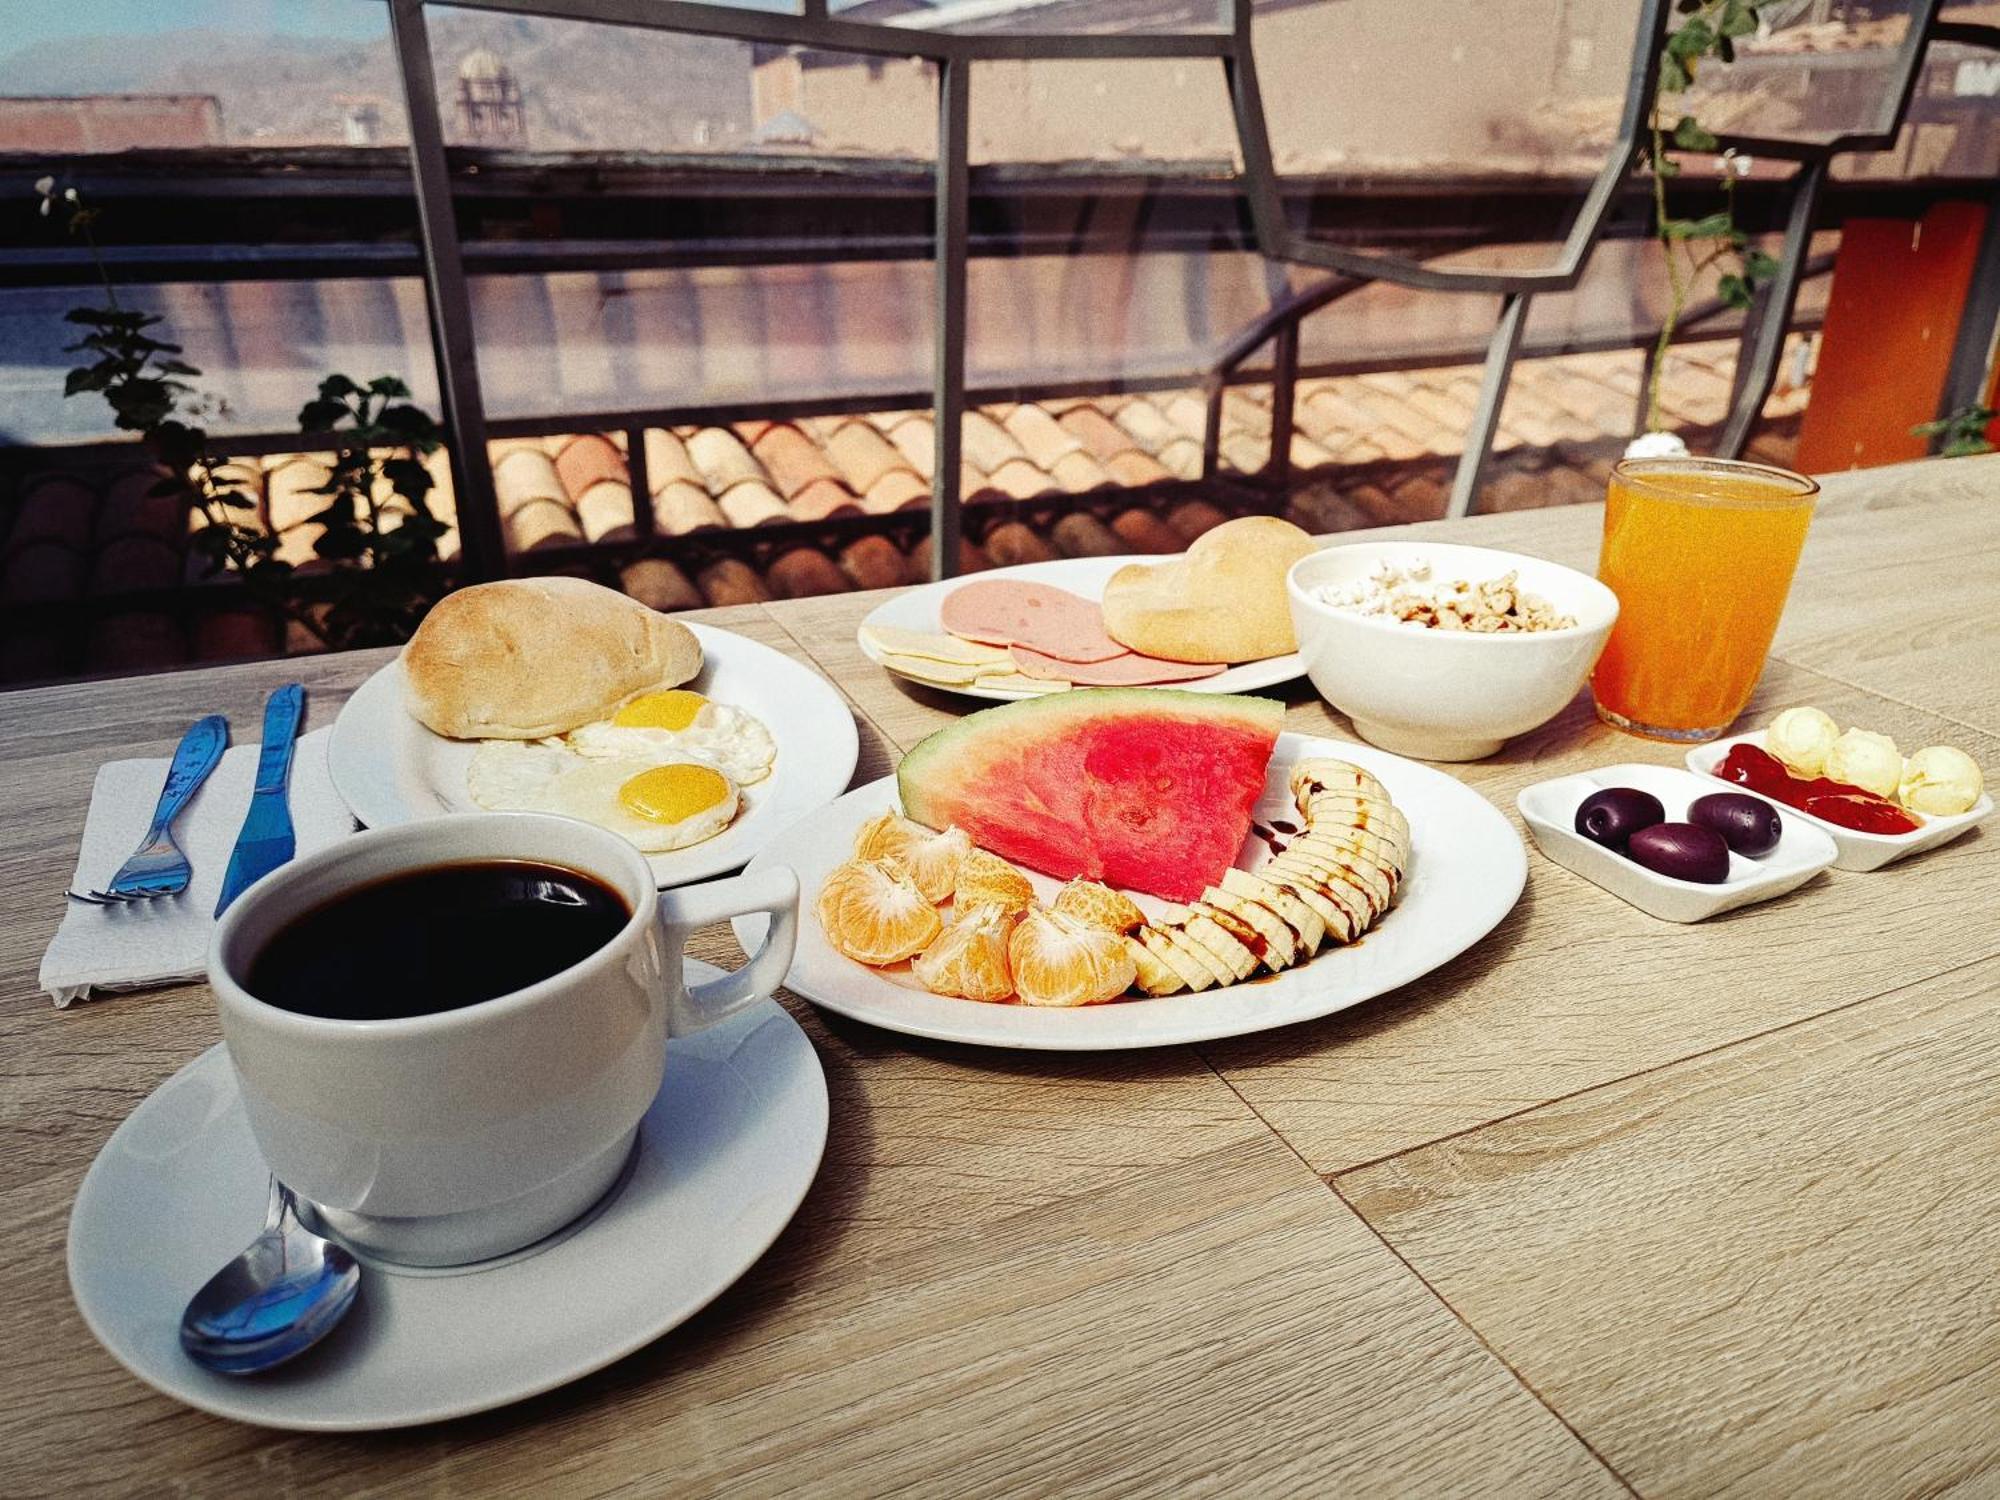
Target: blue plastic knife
column 266, row 840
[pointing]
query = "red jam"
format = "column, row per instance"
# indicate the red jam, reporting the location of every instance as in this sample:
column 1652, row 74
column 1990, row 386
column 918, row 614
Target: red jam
column 1835, row 801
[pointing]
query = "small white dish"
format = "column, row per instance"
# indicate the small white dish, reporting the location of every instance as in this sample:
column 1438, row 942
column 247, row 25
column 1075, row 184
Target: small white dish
column 1444, row 694
column 1858, row 851
column 725, row 1157
column 1465, row 873
column 1549, row 810
column 392, row 770
column 917, row 609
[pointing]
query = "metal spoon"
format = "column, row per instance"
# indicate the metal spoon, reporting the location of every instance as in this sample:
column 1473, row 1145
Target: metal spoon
column 277, row 1299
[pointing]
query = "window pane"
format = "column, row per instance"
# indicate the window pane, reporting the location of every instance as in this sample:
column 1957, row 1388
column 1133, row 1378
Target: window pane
column 1506, row 106
column 1816, row 72
column 1016, row 16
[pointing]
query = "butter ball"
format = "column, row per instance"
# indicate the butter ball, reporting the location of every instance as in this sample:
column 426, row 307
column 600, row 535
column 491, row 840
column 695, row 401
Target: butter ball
column 1941, row 780
column 1868, row 760
column 1801, row 737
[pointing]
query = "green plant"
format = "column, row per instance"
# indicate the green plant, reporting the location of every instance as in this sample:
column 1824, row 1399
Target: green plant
column 1708, row 29
column 379, row 536
column 1962, row 433
column 378, row 529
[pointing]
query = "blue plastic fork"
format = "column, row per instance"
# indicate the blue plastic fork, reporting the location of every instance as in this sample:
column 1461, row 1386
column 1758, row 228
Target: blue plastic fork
column 158, row 867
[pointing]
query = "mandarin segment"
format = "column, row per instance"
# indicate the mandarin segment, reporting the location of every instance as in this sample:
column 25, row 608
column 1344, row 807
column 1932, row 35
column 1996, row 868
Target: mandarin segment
column 1059, row 960
column 872, row 911
column 932, row 858
column 988, row 880
column 1100, row 906
column 969, row 958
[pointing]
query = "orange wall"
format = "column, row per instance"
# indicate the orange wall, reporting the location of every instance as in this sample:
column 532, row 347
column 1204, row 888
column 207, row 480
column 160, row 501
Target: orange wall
column 1898, row 290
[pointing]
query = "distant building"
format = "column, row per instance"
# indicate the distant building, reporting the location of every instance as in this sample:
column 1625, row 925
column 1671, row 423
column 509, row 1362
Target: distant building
column 490, row 112
column 360, row 120
column 86, row 123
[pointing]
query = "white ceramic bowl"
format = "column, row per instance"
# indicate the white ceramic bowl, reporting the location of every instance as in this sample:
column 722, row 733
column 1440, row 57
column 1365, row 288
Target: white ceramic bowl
column 1444, row 694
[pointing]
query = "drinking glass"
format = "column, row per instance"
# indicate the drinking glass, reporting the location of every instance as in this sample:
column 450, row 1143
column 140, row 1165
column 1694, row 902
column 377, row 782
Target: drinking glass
column 1700, row 553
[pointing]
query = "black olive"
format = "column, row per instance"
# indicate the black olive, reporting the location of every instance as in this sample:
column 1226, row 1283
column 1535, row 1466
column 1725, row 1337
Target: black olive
column 1749, row 825
column 1612, row 816
column 1683, row 851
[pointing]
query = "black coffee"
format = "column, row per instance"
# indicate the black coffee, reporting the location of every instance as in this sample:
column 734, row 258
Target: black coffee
column 436, row 939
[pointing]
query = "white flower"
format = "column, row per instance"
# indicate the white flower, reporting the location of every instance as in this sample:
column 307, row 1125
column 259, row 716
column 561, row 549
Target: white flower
column 72, row 196
column 45, row 207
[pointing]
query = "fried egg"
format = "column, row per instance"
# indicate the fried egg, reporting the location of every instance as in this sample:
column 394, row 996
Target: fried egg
column 658, row 805
column 681, row 725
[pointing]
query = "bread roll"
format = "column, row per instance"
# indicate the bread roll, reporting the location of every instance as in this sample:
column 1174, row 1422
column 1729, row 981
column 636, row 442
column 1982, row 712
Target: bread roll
column 1224, row 601
column 529, row 657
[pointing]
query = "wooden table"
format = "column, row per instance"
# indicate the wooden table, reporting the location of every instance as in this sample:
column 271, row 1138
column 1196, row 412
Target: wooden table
column 1605, row 1204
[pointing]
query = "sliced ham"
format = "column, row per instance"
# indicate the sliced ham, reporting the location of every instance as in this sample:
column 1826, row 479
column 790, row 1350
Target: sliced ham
column 1129, row 670
column 1051, row 621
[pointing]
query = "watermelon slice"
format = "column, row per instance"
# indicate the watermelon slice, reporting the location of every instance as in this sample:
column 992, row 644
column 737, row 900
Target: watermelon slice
column 1148, row 789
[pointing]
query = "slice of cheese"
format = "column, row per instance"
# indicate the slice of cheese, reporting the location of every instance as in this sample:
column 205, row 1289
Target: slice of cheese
column 894, row 640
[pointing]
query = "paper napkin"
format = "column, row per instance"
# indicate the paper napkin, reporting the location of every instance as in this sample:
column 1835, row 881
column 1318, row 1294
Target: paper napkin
column 165, row 941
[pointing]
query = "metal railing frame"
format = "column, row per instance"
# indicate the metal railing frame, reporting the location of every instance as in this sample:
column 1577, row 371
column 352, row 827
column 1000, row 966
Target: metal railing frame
column 954, row 55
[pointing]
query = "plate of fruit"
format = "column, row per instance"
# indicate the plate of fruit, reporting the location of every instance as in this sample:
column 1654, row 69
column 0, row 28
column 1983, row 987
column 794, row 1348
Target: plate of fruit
column 1135, row 867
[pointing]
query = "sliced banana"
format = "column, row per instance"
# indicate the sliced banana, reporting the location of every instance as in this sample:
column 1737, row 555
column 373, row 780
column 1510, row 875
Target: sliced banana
column 1156, row 975
column 1237, row 958
column 1296, row 914
column 1278, row 941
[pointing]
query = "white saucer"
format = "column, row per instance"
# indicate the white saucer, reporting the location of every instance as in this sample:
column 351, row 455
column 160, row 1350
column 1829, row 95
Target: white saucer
column 726, row 1155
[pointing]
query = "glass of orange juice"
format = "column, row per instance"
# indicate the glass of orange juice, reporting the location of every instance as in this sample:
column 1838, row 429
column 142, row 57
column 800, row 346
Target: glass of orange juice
column 1700, row 553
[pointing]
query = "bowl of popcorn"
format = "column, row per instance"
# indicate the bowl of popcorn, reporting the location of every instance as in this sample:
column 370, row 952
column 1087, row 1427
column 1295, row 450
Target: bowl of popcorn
column 1444, row 651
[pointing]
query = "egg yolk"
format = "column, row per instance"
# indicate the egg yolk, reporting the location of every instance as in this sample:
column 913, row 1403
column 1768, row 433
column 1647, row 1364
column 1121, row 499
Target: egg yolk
column 672, row 794
column 670, row 710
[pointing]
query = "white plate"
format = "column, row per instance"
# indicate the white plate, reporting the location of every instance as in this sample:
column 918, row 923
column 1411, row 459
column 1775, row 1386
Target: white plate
column 1858, row 851
column 726, row 1155
column 917, row 609
column 1549, row 809
column 1465, row 873
column 392, row 770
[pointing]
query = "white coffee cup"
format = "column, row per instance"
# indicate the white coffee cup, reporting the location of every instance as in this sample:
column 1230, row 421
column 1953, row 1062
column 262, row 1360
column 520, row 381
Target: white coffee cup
column 453, row 1137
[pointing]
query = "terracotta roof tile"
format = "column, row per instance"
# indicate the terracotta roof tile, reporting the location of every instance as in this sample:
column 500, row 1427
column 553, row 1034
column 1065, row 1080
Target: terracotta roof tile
column 1193, row 517
column 752, row 432
column 1321, row 509
column 54, row 508
column 752, row 503
column 874, row 562
column 534, row 507
column 133, row 562
column 1444, row 404
column 864, row 456
column 1046, row 441
column 667, row 460
column 1010, row 544
column 987, row 445
column 605, row 511
column 793, row 461
column 824, row 497
column 805, row 572
column 1181, row 458
column 1133, row 468
column 915, row 439
column 1080, row 534
column 658, row 584
column 1020, row 479
column 971, row 559
column 289, row 483
column 220, row 634
column 729, row 580
column 587, row 461
column 1142, row 531
column 899, row 489
column 496, row 450
column 1147, row 425
column 681, row 506
column 126, row 508
column 1245, row 452
column 1188, row 413
column 43, row 572
column 1306, row 454
column 723, row 461
column 1077, row 472
column 1102, row 438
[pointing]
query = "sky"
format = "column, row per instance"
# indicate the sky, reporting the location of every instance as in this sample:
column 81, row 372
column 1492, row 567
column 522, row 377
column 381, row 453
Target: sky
column 35, row 21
